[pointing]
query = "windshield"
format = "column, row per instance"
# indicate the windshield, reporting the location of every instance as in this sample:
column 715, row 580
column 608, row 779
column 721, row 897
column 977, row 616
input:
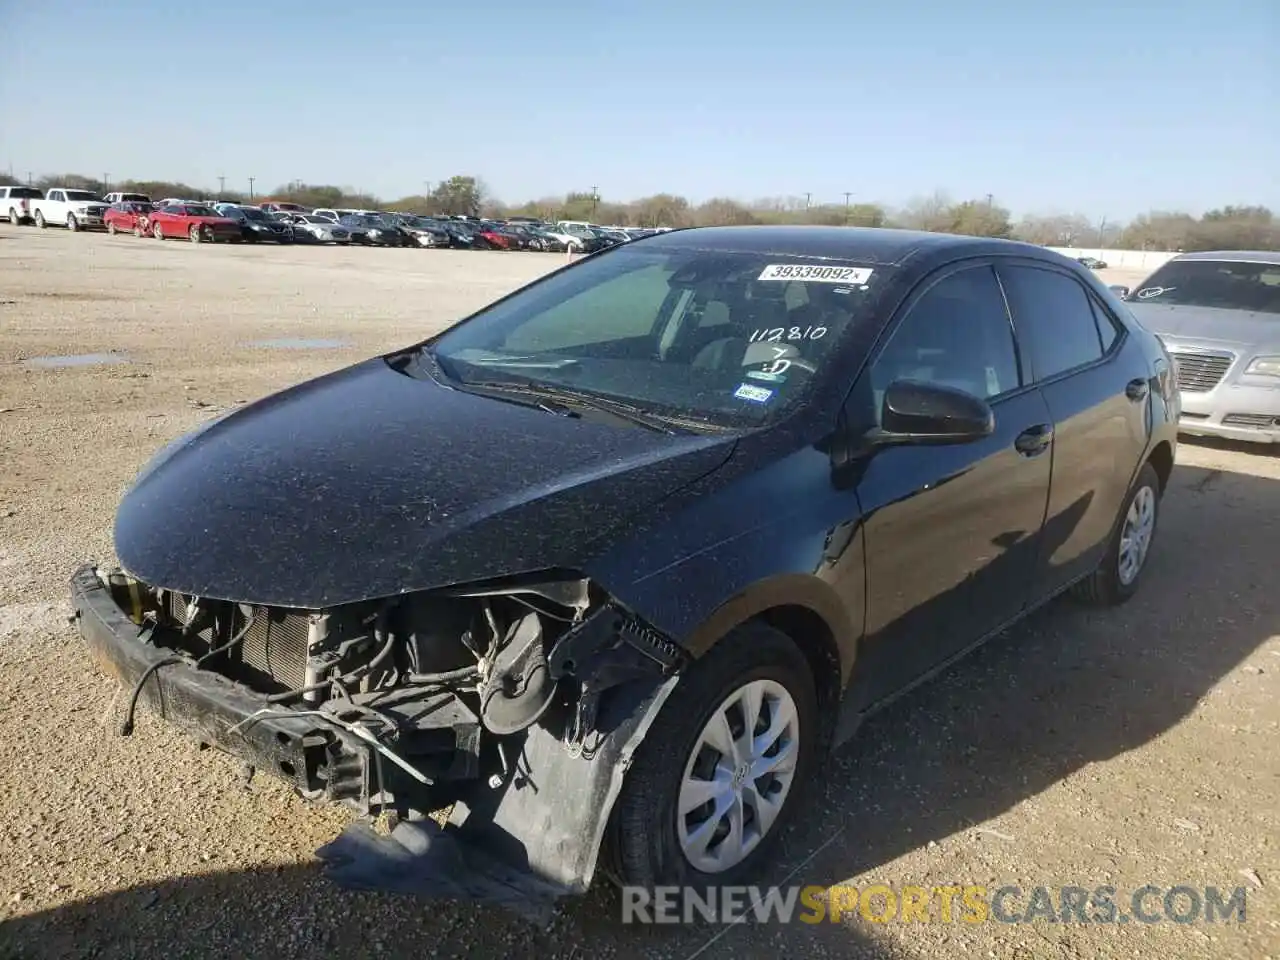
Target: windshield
column 728, row 337
column 254, row 213
column 195, row 211
column 1227, row 284
column 312, row 218
column 82, row 195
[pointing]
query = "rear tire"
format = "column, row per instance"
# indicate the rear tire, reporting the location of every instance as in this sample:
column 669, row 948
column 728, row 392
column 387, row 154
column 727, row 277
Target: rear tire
column 1118, row 575
column 40, row 219
column 644, row 844
column 111, row 228
column 14, row 217
column 157, row 232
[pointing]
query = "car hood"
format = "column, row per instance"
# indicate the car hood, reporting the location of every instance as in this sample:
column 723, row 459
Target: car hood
column 367, row 483
column 1183, row 324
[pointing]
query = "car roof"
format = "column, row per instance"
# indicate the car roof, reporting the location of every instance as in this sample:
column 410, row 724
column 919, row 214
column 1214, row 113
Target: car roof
column 869, row 244
column 1245, row 256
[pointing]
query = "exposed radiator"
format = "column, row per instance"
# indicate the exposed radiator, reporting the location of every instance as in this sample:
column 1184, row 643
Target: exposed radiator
column 275, row 647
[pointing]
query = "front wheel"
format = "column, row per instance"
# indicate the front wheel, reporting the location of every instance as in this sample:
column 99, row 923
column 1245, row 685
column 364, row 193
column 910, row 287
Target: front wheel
column 1117, row 576
column 111, row 228
column 723, row 767
column 72, row 223
column 40, row 219
column 157, row 231
column 194, row 234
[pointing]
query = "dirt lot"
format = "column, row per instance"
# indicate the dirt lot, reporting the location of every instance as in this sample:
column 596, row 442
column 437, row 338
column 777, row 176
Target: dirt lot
column 1123, row 747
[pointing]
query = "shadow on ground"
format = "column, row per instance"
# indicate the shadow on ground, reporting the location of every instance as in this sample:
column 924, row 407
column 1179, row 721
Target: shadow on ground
column 1070, row 687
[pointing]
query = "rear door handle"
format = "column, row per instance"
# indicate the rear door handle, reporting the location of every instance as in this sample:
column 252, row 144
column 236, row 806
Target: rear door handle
column 1137, row 389
column 1034, row 441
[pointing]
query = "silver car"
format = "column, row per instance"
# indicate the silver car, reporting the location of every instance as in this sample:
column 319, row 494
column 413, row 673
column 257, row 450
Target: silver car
column 1218, row 314
column 321, row 228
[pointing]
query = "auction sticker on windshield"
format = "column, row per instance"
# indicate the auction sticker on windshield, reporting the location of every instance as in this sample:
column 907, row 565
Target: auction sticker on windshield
column 815, row 273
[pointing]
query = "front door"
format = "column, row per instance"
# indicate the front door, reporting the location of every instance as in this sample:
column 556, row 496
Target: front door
column 951, row 531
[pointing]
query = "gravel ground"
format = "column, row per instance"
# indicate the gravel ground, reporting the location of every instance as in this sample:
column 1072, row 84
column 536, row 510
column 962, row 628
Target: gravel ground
column 1121, row 747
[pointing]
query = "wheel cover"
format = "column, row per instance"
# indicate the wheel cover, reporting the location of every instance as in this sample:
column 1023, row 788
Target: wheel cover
column 1135, row 536
column 738, row 776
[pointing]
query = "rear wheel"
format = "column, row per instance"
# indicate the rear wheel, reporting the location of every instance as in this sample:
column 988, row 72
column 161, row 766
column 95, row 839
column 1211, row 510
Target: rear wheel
column 157, row 231
column 40, row 219
column 721, row 771
column 138, row 229
column 111, row 228
column 1117, row 577
column 14, row 217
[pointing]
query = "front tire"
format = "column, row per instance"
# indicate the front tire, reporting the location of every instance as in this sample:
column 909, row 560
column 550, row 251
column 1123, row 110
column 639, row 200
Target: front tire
column 194, row 234
column 111, row 228
column 1118, row 575
column 722, row 770
column 40, row 219
column 157, row 232
column 72, row 223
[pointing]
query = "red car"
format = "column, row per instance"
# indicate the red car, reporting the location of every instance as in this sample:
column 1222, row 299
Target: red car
column 497, row 239
column 195, row 221
column 128, row 215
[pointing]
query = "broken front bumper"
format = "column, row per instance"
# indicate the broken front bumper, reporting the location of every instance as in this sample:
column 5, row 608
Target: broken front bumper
column 213, row 709
column 543, row 816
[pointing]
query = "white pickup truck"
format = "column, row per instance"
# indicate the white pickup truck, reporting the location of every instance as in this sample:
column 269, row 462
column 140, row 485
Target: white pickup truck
column 65, row 207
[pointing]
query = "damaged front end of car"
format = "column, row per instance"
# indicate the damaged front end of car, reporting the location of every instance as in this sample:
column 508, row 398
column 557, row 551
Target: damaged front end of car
column 515, row 705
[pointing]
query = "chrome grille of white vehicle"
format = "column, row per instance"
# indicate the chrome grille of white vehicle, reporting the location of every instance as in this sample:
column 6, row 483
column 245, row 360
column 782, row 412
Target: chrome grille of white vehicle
column 1200, row 371
column 1263, row 421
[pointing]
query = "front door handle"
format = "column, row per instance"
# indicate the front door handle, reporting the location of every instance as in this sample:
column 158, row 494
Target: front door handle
column 1137, row 389
column 1034, row 441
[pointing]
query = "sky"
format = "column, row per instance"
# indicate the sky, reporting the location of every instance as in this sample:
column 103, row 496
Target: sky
column 1085, row 106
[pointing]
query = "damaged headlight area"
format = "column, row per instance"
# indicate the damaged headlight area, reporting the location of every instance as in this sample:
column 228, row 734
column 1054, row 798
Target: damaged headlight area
column 388, row 705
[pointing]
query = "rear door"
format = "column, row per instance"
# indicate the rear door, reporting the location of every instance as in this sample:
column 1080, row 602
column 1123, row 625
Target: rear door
column 1095, row 384
column 952, row 531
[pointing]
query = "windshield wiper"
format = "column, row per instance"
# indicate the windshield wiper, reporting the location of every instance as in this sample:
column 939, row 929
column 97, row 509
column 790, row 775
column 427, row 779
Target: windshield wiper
column 572, row 398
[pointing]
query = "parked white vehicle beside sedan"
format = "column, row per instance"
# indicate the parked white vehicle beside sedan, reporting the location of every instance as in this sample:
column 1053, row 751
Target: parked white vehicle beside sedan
column 65, row 207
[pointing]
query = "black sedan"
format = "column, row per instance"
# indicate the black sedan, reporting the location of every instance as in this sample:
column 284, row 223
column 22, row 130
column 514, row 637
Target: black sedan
column 256, row 224
column 616, row 559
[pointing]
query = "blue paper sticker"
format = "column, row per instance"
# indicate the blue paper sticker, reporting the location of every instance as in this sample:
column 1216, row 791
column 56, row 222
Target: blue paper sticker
column 748, row 391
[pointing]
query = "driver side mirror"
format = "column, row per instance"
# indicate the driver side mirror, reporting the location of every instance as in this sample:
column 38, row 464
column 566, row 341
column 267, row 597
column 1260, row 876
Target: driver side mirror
column 916, row 412
column 1120, row 291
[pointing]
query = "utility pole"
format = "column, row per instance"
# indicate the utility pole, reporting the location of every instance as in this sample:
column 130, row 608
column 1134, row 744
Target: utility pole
column 990, row 199
column 1102, row 231
column 106, row 183
column 807, row 196
column 251, row 189
column 222, row 186
column 847, row 195
column 595, row 200
column 30, row 178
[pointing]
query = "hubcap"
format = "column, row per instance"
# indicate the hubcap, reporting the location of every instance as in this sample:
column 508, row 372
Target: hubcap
column 738, row 776
column 1135, row 537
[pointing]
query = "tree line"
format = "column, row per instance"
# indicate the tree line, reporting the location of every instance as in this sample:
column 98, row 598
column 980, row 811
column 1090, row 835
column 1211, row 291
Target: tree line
column 1226, row 228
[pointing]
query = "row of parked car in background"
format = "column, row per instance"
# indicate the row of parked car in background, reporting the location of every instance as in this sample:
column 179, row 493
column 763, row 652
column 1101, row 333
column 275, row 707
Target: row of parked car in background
column 283, row 222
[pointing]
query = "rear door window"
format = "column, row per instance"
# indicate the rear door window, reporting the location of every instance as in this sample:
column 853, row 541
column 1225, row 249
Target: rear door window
column 1054, row 317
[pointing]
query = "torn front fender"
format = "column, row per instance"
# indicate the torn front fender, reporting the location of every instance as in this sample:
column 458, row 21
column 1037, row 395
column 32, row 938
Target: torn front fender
column 533, row 836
